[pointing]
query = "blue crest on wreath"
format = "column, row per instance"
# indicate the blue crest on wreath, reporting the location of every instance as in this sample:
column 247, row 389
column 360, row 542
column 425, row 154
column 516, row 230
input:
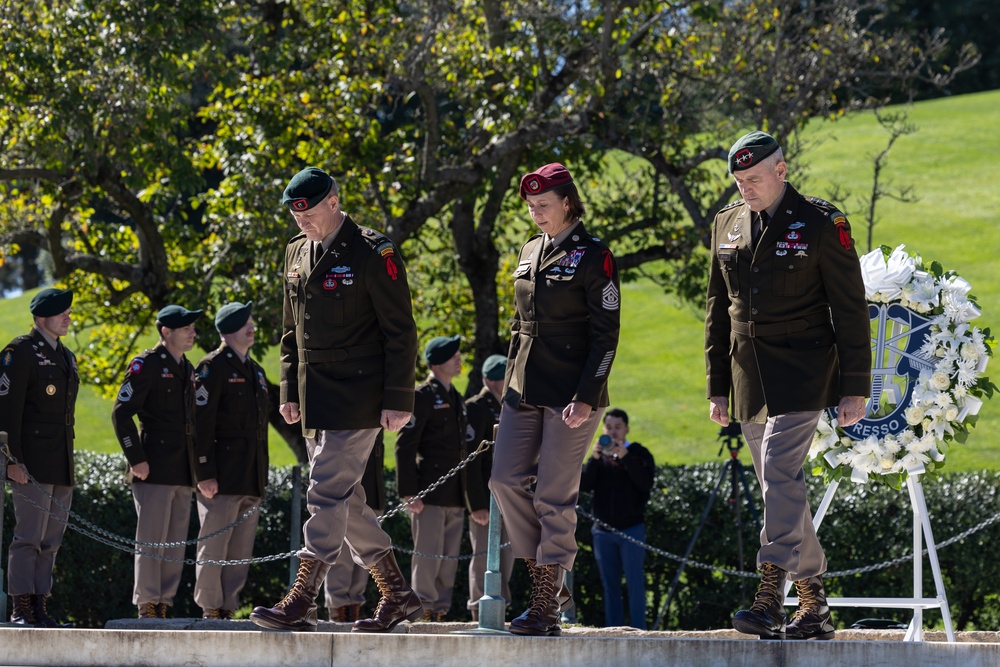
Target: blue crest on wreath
column 898, row 333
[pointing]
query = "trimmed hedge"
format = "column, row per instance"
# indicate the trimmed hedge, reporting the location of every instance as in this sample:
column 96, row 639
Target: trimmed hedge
column 93, row 581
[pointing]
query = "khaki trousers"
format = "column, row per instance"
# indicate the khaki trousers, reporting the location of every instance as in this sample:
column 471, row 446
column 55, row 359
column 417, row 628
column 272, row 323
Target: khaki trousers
column 218, row 587
column 37, row 536
column 535, row 448
column 436, row 530
column 338, row 513
column 163, row 515
column 779, row 448
column 345, row 582
column 480, row 538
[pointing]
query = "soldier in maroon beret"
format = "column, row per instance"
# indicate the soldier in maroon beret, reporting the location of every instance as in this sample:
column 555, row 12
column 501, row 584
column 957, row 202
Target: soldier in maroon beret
column 564, row 337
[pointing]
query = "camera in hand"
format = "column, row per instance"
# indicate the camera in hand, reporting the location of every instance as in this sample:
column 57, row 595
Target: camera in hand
column 605, row 441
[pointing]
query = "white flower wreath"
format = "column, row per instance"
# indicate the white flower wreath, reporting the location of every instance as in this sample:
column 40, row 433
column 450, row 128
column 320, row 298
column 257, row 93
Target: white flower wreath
column 928, row 381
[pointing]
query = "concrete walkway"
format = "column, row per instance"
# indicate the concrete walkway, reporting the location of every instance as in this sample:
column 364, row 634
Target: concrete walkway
column 189, row 642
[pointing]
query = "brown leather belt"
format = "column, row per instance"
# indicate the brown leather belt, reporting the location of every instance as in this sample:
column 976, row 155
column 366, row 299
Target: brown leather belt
column 342, row 354
column 752, row 329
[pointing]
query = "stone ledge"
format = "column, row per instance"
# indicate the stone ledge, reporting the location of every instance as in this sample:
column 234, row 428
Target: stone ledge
column 423, row 628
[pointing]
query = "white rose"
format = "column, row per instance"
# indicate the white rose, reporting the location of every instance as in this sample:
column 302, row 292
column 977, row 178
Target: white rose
column 951, row 414
column 969, row 352
column 913, row 414
column 940, row 381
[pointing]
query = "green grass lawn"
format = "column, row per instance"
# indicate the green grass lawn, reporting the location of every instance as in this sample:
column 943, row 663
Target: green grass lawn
column 658, row 376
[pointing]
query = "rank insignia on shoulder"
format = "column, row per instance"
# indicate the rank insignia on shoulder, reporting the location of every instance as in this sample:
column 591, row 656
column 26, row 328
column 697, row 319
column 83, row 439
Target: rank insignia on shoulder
column 125, row 393
column 201, row 396
column 610, row 297
column 4, row 385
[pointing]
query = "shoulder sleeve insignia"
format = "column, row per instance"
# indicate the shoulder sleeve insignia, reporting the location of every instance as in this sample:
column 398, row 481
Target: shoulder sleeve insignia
column 609, row 263
column 203, row 370
column 7, row 356
column 135, row 366
column 843, row 229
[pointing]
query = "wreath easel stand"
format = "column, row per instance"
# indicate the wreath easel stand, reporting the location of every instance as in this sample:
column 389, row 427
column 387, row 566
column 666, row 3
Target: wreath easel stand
column 921, row 532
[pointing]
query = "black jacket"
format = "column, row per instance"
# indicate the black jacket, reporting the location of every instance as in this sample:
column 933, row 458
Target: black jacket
column 621, row 487
column 38, row 389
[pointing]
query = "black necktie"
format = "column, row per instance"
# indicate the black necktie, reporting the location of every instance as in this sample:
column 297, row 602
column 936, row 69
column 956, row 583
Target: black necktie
column 759, row 225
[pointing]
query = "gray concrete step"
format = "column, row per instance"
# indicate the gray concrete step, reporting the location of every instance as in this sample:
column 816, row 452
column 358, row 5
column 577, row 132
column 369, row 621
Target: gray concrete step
column 190, row 642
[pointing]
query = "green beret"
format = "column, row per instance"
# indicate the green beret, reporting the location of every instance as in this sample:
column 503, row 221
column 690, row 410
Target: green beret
column 307, row 188
column 441, row 349
column 495, row 367
column 51, row 302
column 232, row 317
column 750, row 149
column 175, row 317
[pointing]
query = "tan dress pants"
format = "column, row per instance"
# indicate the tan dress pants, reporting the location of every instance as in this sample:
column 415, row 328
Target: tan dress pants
column 218, row 587
column 779, row 448
column 37, row 536
column 163, row 515
column 338, row 513
column 436, row 530
column 536, row 480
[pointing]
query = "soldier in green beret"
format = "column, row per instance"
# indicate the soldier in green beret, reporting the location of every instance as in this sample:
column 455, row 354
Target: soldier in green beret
column 38, row 389
column 567, row 303
column 159, row 389
column 231, row 465
column 432, row 443
column 348, row 357
column 483, row 413
column 787, row 335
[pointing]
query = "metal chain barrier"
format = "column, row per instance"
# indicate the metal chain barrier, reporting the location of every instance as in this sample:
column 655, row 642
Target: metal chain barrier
column 754, row 575
column 127, row 545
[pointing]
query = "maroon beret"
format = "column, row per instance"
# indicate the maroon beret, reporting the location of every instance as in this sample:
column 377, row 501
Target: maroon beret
column 544, row 179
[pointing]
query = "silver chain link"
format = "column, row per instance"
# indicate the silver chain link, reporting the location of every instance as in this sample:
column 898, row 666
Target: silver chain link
column 110, row 539
column 754, row 575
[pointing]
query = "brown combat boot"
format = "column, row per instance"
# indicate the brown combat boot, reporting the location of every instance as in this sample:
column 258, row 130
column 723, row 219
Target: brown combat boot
column 766, row 617
column 541, row 618
column 212, row 614
column 812, row 619
column 354, row 612
column 297, row 610
column 161, row 609
column 24, row 611
column 398, row 602
column 42, row 618
column 339, row 614
column 148, row 610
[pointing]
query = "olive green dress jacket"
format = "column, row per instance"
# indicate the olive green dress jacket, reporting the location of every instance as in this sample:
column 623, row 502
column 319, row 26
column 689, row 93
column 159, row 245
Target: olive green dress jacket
column 787, row 325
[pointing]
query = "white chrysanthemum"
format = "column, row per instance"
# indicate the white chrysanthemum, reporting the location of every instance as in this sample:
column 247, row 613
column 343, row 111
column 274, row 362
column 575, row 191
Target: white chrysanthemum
column 914, row 460
column 943, row 400
column 867, row 455
column 967, row 373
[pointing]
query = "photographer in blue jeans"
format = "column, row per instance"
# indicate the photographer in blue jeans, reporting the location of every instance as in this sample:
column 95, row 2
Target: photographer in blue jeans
column 620, row 475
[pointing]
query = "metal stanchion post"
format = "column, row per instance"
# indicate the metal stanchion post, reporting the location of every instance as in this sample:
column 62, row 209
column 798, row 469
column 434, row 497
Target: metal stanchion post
column 3, row 494
column 492, row 606
column 293, row 562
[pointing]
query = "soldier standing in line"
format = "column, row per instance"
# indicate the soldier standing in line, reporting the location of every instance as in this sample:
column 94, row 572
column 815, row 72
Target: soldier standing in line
column 159, row 389
column 787, row 334
column 232, row 458
column 564, row 338
column 431, row 444
column 344, row 589
column 483, row 411
column 348, row 354
column 38, row 389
